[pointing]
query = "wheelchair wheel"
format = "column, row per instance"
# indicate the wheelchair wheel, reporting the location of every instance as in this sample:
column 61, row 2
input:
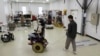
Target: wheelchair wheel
column 45, row 43
column 5, row 38
column 38, row 47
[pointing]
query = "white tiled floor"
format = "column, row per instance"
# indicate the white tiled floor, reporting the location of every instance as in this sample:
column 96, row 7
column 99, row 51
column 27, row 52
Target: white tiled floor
column 56, row 39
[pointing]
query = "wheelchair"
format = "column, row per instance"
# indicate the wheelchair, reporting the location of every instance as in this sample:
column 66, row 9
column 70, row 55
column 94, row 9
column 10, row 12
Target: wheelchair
column 7, row 37
column 38, row 42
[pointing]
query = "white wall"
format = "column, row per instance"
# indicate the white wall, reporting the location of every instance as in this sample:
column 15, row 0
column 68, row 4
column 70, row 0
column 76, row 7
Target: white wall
column 91, row 29
column 72, row 4
column 3, row 12
column 30, row 7
column 59, row 5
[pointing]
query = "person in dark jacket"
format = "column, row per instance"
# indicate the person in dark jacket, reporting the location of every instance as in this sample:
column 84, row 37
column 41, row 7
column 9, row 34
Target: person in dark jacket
column 71, row 34
column 42, row 21
column 49, row 20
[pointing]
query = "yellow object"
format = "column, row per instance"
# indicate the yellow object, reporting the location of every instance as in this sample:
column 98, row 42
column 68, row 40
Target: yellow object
column 58, row 25
column 38, row 47
column 64, row 11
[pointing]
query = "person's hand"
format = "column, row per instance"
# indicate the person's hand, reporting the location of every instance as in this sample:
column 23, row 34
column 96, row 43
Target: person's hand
column 38, row 31
column 66, row 29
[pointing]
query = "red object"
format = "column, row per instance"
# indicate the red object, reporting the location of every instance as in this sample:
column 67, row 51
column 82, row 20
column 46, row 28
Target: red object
column 34, row 18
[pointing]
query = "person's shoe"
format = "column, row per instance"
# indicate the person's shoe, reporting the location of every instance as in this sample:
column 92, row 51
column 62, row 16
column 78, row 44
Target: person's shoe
column 74, row 52
column 65, row 49
column 29, row 43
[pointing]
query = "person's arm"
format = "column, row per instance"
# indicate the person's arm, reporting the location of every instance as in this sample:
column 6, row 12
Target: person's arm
column 39, row 30
column 69, row 28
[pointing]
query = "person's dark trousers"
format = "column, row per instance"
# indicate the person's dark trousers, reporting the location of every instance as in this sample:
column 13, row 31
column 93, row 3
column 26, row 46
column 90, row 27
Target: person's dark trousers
column 68, row 41
column 42, row 32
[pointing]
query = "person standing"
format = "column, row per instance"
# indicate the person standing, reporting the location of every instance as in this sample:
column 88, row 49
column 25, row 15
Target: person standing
column 42, row 23
column 71, row 34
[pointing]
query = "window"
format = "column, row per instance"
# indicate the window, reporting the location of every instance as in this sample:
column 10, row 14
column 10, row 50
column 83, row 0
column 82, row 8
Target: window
column 24, row 10
column 40, row 9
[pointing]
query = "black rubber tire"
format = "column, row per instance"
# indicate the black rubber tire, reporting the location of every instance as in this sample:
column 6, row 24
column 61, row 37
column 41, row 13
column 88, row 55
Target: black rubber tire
column 5, row 40
column 1, row 37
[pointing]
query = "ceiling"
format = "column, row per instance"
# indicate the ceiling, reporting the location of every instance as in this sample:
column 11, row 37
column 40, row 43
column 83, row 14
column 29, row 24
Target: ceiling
column 40, row 1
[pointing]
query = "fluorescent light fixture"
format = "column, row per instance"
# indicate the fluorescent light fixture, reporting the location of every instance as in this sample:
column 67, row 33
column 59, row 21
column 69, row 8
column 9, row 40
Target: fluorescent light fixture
column 47, row 0
column 24, row 9
column 40, row 9
column 31, row 0
column 17, row 0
